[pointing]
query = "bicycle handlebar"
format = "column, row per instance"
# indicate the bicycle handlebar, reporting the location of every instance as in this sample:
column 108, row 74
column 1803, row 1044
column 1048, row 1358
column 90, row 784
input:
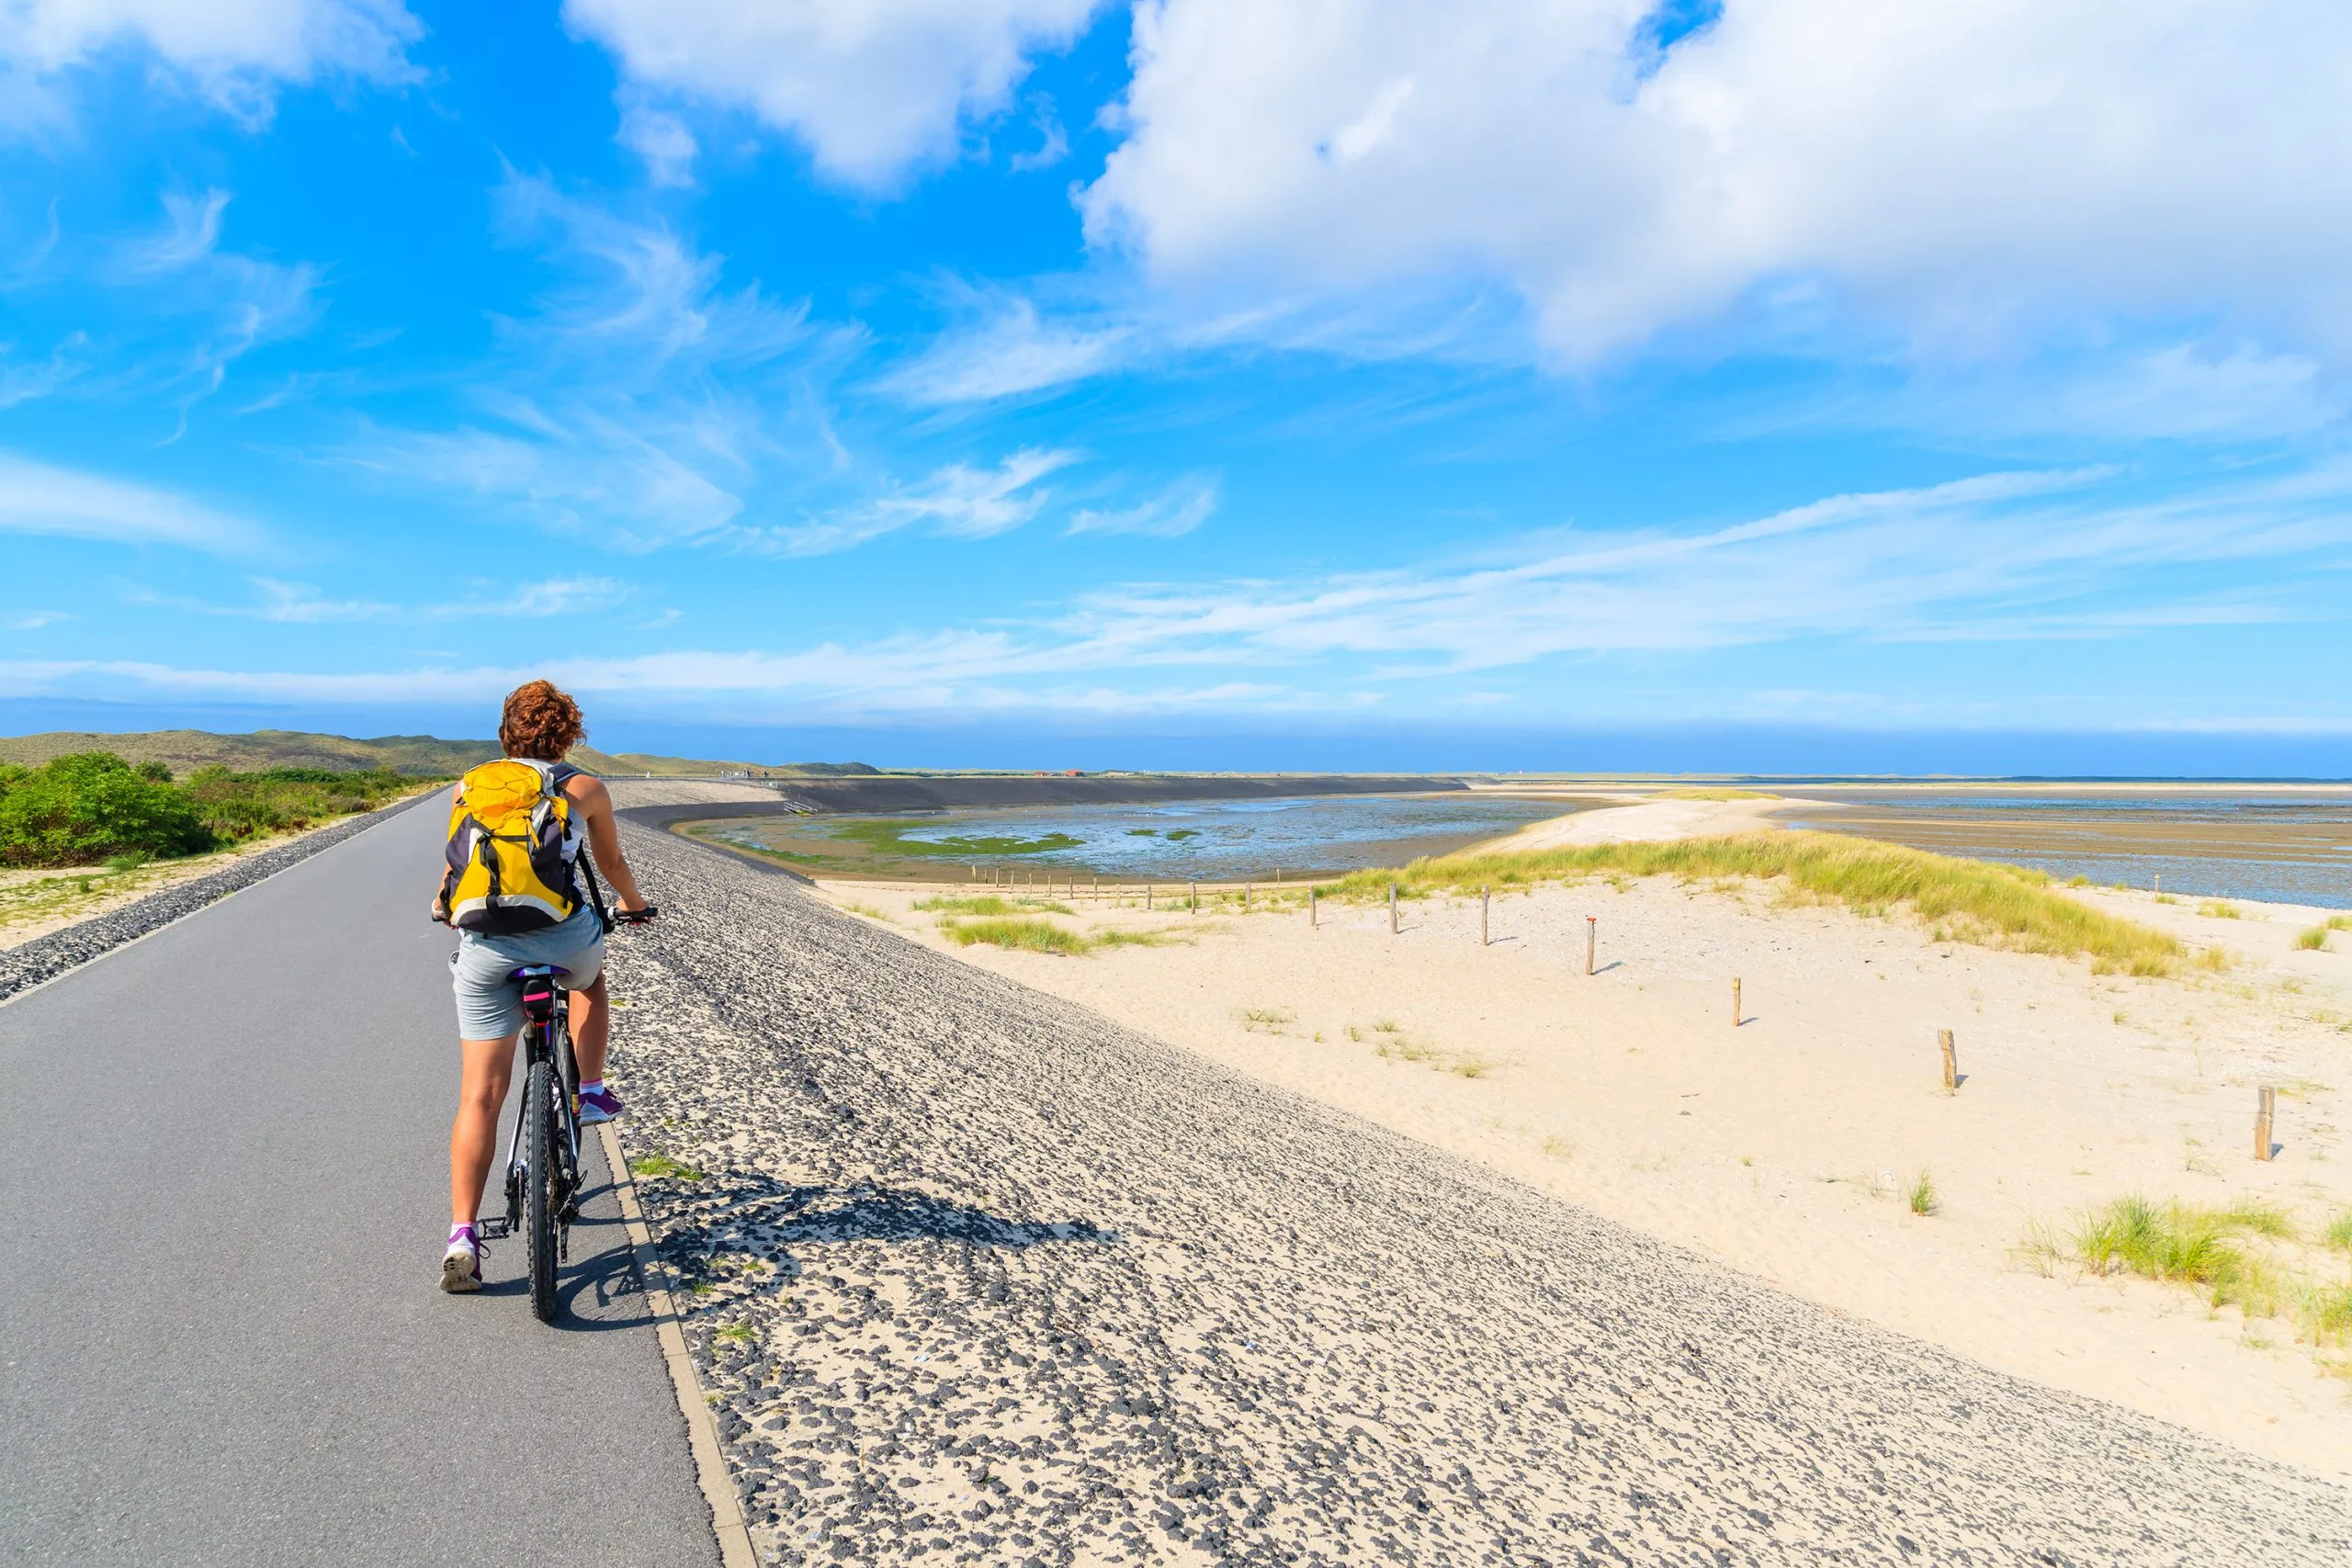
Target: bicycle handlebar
column 636, row 917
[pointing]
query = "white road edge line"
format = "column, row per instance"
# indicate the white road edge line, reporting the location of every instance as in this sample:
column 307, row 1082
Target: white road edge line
column 702, row 1432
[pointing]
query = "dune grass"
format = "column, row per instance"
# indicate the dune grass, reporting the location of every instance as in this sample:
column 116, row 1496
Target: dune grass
column 1030, row 935
column 2214, row 909
column 2338, row 1233
column 1922, row 1198
column 990, row 904
column 1974, row 901
column 663, row 1164
column 2204, row 1245
column 2195, row 1243
column 1042, row 936
column 1113, row 937
column 2313, row 940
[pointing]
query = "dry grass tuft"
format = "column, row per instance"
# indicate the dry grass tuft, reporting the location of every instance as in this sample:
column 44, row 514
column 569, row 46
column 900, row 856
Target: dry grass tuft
column 2313, row 940
column 1973, row 901
column 1270, row 1020
column 2214, row 909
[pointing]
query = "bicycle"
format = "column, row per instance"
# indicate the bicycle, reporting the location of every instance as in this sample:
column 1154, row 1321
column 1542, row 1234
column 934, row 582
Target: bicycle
column 543, row 1154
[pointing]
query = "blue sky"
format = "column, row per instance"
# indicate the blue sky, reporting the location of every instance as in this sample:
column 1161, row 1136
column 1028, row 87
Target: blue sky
column 1204, row 382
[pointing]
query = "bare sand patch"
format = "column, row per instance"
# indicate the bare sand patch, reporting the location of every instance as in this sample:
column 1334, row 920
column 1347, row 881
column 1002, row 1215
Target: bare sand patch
column 1786, row 1144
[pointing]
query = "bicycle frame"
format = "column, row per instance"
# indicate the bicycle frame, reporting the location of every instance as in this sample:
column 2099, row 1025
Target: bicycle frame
column 547, row 1037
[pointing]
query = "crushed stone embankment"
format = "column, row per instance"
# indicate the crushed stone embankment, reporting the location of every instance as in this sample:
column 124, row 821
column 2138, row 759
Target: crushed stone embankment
column 975, row 1275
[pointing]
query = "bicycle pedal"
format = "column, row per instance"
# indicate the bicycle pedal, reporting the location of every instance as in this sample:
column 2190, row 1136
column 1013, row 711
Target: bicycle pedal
column 494, row 1230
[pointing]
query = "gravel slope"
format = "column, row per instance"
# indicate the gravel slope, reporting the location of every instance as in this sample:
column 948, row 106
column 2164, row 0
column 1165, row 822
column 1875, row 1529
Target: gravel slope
column 980, row 1277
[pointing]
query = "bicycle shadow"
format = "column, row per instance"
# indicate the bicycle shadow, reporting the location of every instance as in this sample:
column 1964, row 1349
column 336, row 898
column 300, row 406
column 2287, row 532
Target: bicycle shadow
column 597, row 1289
column 773, row 1219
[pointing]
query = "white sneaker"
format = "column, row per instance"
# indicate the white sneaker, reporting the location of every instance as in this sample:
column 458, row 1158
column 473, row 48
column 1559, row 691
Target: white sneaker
column 462, row 1265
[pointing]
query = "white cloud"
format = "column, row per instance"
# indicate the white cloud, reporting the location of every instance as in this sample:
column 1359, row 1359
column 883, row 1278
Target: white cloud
column 957, row 501
column 33, row 620
column 662, row 141
column 1009, row 351
column 37, row 498
column 1179, row 509
column 232, row 50
column 1970, row 177
column 872, row 87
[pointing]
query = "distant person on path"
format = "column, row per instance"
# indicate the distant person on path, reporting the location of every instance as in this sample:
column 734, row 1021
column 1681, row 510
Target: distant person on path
column 528, row 911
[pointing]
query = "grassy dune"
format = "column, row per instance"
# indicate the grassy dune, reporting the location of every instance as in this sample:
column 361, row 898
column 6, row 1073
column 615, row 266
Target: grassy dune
column 1964, row 900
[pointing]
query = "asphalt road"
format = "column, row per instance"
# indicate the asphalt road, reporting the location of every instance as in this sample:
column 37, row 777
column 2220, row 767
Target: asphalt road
column 224, row 1188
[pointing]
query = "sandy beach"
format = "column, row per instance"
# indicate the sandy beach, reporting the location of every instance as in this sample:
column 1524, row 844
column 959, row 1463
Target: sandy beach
column 1786, row 1144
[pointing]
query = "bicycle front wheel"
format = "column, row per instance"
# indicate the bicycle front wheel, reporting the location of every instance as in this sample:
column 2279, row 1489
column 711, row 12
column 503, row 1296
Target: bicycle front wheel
column 540, row 1199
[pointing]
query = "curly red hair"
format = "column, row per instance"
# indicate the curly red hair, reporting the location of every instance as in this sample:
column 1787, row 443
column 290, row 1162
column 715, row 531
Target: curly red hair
column 540, row 722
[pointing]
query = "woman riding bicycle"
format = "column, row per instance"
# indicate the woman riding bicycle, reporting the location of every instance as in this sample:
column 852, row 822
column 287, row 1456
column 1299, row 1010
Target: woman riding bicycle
column 538, row 726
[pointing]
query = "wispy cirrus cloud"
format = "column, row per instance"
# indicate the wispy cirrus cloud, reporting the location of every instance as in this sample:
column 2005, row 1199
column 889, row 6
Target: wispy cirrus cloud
column 301, row 604
column 642, row 403
column 1177, row 509
column 40, row 498
column 956, row 502
column 2046, row 557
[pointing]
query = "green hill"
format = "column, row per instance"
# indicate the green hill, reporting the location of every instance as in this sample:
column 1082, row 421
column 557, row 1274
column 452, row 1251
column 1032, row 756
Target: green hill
column 424, row 756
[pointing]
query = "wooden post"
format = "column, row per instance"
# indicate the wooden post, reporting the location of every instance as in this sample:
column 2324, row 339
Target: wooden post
column 2263, row 1105
column 1591, row 939
column 1246, row 891
column 1392, row 909
column 1952, row 1062
column 1313, row 918
column 1146, row 895
column 1735, row 1001
column 1482, row 917
column 1192, row 894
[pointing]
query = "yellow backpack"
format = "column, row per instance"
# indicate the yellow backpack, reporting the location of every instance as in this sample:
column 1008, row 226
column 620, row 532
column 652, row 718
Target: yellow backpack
column 513, row 844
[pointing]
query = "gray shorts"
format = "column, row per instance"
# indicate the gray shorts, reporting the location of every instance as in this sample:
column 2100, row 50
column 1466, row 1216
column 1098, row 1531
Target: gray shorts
column 490, row 1005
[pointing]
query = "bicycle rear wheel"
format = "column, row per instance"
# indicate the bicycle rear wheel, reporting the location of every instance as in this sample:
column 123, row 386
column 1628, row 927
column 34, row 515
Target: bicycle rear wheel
column 540, row 1199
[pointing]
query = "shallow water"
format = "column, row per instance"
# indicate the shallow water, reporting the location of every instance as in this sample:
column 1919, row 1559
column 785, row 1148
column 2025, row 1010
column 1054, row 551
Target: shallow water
column 2269, row 845
column 1214, row 841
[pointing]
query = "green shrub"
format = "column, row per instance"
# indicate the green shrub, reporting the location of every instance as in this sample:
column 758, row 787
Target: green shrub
column 282, row 800
column 81, row 808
